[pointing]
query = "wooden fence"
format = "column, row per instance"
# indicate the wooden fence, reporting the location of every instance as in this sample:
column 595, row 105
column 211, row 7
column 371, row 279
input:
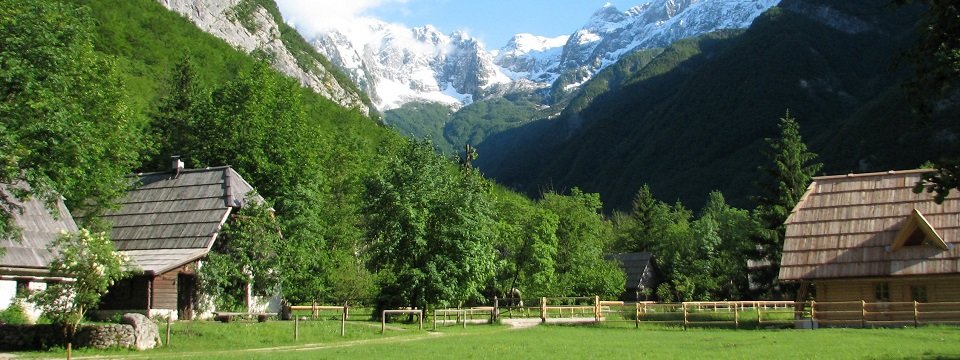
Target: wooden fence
column 732, row 314
column 864, row 314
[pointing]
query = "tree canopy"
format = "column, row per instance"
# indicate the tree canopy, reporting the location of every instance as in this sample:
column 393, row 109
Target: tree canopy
column 66, row 128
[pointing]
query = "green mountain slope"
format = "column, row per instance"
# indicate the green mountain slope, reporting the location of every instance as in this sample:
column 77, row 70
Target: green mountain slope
column 146, row 41
column 694, row 118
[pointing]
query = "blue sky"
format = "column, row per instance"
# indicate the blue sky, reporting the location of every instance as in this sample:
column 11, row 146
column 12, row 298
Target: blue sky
column 492, row 21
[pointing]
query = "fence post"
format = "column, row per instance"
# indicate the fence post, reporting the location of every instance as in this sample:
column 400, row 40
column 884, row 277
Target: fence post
column 383, row 322
column 736, row 316
column 684, row 306
column 496, row 309
column 343, row 321
column 543, row 309
column 596, row 308
column 759, row 314
column 916, row 314
column 296, row 328
column 314, row 313
column 421, row 320
column 637, row 318
column 813, row 313
column 169, row 320
column 863, row 313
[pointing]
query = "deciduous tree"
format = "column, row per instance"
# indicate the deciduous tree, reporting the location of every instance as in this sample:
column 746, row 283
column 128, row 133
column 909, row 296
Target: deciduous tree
column 65, row 129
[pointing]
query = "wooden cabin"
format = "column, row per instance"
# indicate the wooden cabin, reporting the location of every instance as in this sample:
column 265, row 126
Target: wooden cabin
column 870, row 238
column 25, row 261
column 166, row 225
column 641, row 275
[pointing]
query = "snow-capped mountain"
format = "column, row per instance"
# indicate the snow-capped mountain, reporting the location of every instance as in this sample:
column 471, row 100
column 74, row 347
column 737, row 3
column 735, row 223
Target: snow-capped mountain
column 531, row 57
column 397, row 65
column 610, row 33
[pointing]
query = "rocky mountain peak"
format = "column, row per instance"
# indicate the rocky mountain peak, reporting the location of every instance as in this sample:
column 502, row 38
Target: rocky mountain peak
column 258, row 30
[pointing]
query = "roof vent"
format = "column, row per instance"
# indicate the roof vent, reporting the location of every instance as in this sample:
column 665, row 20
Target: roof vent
column 177, row 166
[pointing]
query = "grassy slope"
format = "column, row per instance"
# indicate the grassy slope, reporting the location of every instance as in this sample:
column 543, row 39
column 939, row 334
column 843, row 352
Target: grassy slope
column 146, row 41
column 698, row 123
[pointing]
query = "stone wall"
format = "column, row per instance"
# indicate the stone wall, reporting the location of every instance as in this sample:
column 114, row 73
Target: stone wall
column 41, row 337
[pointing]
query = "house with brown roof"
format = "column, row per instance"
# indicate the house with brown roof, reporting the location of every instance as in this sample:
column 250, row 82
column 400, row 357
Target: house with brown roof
column 869, row 237
column 166, row 225
column 25, row 260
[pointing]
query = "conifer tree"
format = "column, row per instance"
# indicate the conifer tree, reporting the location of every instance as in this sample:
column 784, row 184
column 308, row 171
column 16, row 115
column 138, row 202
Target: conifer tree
column 783, row 181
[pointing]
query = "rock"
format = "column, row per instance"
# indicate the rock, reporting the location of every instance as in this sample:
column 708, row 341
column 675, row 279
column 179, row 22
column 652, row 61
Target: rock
column 146, row 335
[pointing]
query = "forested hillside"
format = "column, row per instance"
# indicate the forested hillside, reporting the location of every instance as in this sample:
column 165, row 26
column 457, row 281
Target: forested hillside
column 694, row 118
column 101, row 89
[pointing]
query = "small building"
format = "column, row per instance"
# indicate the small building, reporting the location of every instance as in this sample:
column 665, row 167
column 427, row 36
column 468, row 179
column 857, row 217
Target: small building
column 25, row 261
column 869, row 237
column 166, row 225
column 641, row 275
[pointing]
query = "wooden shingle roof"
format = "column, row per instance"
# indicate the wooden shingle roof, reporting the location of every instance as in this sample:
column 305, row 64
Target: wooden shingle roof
column 167, row 221
column 846, row 226
column 38, row 228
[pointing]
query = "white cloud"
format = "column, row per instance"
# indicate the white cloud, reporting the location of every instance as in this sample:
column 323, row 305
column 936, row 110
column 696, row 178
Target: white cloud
column 315, row 16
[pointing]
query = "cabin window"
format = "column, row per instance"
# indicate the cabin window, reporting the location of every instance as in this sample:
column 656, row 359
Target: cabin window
column 919, row 293
column 22, row 290
column 881, row 292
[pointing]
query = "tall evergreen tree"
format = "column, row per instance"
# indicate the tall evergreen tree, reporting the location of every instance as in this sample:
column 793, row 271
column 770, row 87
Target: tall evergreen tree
column 783, row 181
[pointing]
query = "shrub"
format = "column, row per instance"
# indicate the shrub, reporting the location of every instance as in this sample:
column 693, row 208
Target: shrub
column 14, row 315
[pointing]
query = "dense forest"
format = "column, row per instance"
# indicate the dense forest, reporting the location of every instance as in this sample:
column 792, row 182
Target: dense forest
column 98, row 90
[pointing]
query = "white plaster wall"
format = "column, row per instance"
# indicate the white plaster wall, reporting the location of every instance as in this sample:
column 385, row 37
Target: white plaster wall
column 8, row 289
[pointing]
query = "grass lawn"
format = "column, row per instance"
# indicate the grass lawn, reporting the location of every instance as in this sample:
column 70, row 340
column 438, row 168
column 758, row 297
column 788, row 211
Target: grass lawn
column 321, row 340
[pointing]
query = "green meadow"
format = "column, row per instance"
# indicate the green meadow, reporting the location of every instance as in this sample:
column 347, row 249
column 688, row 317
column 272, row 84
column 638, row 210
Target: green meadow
column 363, row 340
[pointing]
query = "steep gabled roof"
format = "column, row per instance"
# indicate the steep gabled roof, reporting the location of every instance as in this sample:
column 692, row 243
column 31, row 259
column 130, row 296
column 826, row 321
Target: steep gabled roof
column 634, row 266
column 38, row 228
column 168, row 220
column 848, row 226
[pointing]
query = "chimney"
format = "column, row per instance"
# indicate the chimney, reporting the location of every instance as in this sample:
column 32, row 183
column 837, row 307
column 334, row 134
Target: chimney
column 177, row 166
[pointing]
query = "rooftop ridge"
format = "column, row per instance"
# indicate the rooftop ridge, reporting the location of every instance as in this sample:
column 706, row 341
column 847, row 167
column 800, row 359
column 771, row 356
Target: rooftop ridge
column 194, row 170
column 863, row 175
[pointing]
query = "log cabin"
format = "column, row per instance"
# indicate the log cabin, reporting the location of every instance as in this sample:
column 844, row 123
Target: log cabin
column 166, row 224
column 870, row 238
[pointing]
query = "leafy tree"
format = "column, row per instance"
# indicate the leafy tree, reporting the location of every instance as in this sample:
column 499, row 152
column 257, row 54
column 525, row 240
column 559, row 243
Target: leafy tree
column 429, row 228
column 783, row 181
column 65, row 127
column 582, row 237
column 736, row 229
column 936, row 61
column 88, row 258
column 936, row 55
column 245, row 254
column 527, row 247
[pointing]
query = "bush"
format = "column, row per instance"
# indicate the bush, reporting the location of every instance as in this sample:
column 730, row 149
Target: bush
column 14, row 315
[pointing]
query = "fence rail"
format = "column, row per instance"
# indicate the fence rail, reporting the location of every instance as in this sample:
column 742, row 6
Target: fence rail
column 733, row 314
